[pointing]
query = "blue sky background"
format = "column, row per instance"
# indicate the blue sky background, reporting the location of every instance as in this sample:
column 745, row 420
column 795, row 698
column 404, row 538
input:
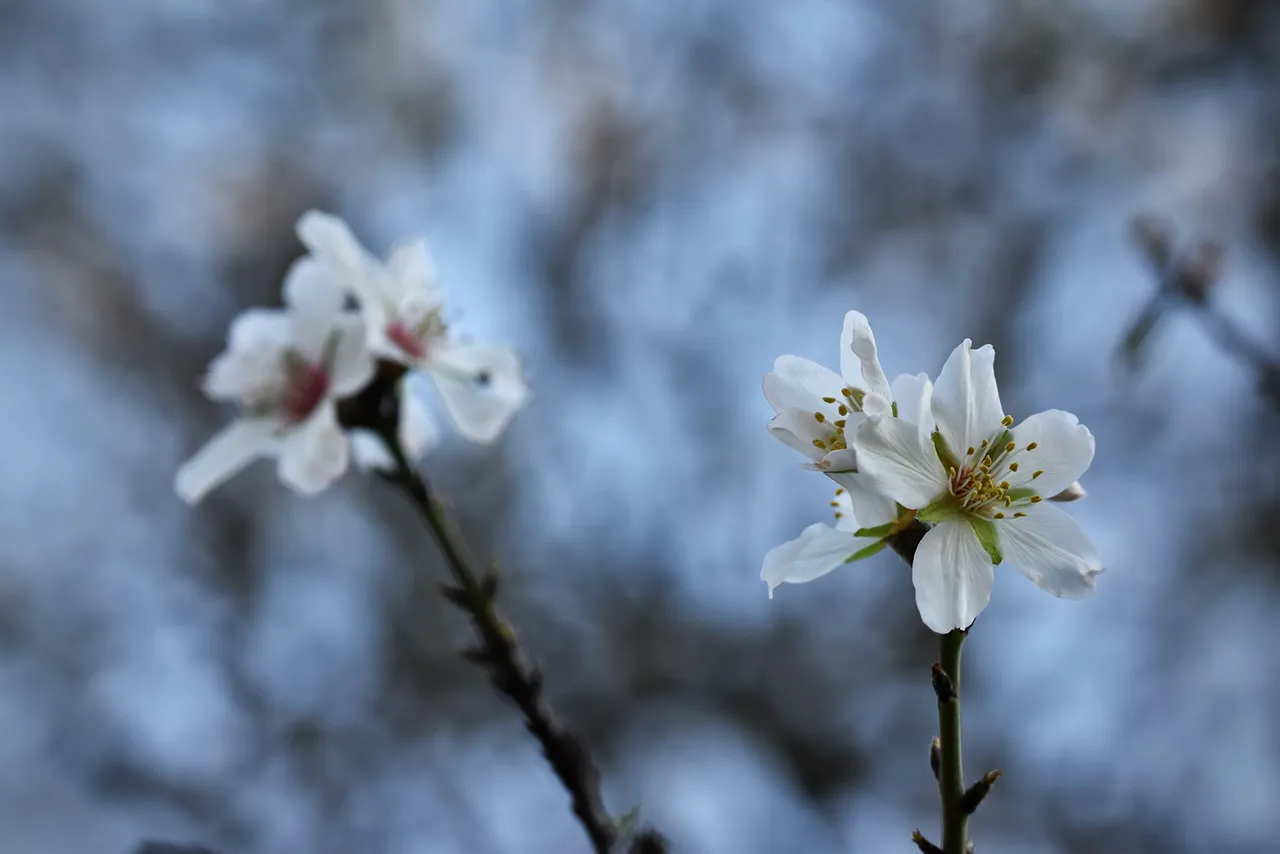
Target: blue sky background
column 651, row 200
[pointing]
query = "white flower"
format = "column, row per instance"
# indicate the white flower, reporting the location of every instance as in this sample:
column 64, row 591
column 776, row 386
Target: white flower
column 481, row 387
column 820, row 548
column 816, row 409
column 286, row 369
column 983, row 482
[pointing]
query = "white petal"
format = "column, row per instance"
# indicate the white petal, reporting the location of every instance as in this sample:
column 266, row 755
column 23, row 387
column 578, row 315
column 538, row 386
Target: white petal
column 796, row 383
column 252, row 366
column 868, row 505
column 1051, row 549
column 877, row 404
column 1064, row 450
column 838, row 461
column 1074, row 492
column 813, row 554
column 952, row 575
column 352, row 364
column 418, row 431
column 859, row 362
column 224, row 456
column 368, row 452
column 900, row 465
column 797, row 429
column 330, row 239
column 965, row 400
column 315, row 297
column 314, row 454
column 413, row 270
column 913, row 393
column 481, row 388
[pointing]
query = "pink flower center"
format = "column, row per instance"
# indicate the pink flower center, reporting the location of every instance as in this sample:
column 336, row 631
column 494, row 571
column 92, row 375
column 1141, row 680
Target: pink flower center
column 307, row 387
column 404, row 338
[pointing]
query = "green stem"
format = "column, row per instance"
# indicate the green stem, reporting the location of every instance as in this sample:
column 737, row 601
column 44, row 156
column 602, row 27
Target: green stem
column 955, row 820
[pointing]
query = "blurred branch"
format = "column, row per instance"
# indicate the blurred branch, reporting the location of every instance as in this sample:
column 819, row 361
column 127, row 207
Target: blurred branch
column 498, row 652
column 1187, row 280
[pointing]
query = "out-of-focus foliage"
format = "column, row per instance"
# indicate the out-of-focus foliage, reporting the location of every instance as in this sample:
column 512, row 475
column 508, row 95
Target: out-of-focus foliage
column 651, row 200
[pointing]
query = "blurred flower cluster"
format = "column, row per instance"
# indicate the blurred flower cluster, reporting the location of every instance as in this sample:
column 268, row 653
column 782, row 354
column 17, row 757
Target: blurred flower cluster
column 287, row 369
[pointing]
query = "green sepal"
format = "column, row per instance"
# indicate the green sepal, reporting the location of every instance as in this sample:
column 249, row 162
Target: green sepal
column 997, row 448
column 879, row 531
column 945, row 454
column 873, row 549
column 894, row 407
column 985, row 530
column 944, row 507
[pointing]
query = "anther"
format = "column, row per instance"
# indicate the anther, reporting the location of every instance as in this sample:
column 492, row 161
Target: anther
column 1007, row 421
column 999, row 515
column 818, row 443
column 835, row 503
column 1019, row 515
column 1008, row 502
column 828, row 400
column 1033, row 446
column 1035, row 474
column 847, row 392
column 1009, row 447
column 839, row 515
column 1036, row 499
column 984, row 444
column 840, row 423
column 819, row 417
column 844, row 410
column 953, row 472
column 1013, row 466
column 969, row 453
column 1004, row 484
column 840, row 491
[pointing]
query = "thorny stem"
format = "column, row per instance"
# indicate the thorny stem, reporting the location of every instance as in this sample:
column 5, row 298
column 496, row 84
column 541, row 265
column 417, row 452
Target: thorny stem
column 498, row 652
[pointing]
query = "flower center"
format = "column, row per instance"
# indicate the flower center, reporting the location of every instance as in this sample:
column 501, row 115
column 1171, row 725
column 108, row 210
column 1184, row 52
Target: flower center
column 307, row 385
column 404, row 338
column 416, row 325
column 980, row 480
column 830, row 429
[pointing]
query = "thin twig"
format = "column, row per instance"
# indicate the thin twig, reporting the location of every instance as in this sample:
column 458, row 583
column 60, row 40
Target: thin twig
column 498, row 653
column 500, row 656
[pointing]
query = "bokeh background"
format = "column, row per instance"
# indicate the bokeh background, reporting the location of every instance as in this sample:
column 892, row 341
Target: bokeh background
column 651, row 200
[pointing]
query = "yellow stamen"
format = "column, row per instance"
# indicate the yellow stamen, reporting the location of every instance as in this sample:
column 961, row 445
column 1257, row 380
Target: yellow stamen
column 1036, row 499
column 840, row 491
column 847, row 392
column 984, row 444
column 1019, row 515
column 844, row 410
column 1035, row 474
column 819, row 417
column 1033, row 446
column 828, row 400
column 840, row 423
column 1013, row 466
column 969, row 453
column 999, row 515
column 1007, row 421
column 1009, row 447
column 1004, row 484
column 818, row 443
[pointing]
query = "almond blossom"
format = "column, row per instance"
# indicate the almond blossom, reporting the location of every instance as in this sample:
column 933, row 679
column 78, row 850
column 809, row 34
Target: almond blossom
column 983, row 482
column 285, row 368
column 481, row 387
